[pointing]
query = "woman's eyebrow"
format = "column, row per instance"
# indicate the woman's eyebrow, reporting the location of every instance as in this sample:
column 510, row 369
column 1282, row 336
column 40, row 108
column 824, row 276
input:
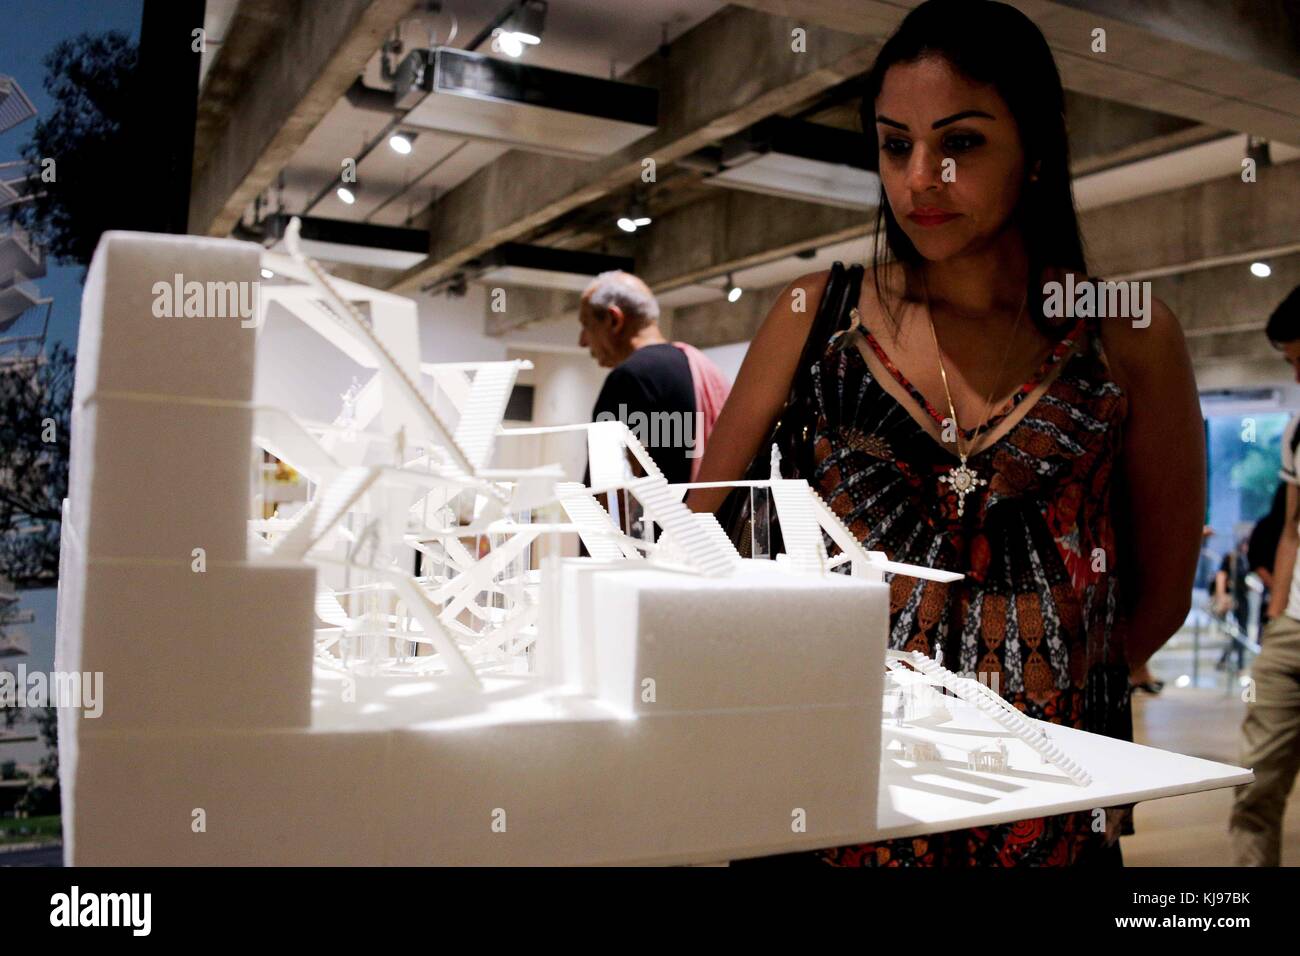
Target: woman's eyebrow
column 964, row 114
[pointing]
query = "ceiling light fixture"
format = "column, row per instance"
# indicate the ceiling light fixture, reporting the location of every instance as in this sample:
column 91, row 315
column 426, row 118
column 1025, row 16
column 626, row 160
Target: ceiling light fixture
column 634, row 218
column 401, row 143
column 528, row 21
column 1257, row 148
column 268, row 274
column 1261, row 270
column 519, row 27
column 734, row 292
column 349, row 196
column 507, row 43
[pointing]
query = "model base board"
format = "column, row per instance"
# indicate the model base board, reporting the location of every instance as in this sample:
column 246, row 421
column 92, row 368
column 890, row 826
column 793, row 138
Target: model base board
column 284, row 685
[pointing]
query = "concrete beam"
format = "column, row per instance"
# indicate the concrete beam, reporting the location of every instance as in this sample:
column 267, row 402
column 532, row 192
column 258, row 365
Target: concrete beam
column 1193, row 243
column 283, row 65
column 1223, row 311
column 1171, row 230
column 735, row 230
column 723, row 322
column 1168, row 232
column 520, row 306
column 732, row 70
column 726, row 232
column 1234, row 66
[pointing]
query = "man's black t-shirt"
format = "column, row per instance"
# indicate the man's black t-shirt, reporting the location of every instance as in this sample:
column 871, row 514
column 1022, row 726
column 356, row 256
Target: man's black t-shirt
column 654, row 381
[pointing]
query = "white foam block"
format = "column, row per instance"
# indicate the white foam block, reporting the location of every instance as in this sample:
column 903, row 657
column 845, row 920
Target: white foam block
column 67, row 645
column 673, row 789
column 263, row 798
column 226, row 648
column 577, row 629
column 677, row 788
column 156, row 480
column 758, row 638
column 123, row 346
column 553, row 778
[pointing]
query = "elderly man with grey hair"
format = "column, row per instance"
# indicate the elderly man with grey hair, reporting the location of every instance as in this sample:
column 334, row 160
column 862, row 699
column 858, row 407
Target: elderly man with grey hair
column 667, row 393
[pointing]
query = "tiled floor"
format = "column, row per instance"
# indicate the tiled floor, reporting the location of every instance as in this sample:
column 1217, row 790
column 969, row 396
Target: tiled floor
column 1193, row 830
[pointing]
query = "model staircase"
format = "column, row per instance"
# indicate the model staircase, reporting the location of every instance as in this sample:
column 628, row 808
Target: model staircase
column 707, row 547
column 1000, row 712
column 329, row 507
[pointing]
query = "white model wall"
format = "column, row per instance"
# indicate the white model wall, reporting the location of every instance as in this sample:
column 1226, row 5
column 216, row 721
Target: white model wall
column 451, row 328
column 565, row 389
column 565, row 379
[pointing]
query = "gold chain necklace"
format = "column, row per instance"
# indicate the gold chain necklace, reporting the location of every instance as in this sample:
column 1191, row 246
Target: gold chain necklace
column 962, row 478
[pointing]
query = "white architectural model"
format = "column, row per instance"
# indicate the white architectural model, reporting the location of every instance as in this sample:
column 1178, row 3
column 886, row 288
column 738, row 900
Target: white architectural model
column 283, row 686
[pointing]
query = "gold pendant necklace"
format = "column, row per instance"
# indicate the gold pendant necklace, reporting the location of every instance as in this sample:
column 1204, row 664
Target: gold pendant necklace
column 962, row 478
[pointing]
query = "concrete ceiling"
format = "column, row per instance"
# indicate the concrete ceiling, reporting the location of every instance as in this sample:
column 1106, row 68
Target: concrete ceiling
column 580, row 37
column 1164, row 108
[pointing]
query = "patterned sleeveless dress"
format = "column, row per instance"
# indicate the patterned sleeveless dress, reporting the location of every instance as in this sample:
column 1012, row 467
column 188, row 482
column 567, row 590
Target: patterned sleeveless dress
column 1037, row 614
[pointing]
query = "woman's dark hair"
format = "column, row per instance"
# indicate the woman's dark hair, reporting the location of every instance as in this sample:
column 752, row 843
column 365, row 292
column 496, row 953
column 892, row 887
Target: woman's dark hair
column 1284, row 324
column 992, row 43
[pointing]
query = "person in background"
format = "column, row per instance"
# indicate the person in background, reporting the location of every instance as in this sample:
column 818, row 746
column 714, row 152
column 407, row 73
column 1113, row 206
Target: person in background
column 672, row 387
column 1229, row 602
column 1262, row 548
column 1271, row 730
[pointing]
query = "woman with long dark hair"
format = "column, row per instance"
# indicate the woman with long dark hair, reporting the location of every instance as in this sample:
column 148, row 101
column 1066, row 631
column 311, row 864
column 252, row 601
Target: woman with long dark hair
column 969, row 422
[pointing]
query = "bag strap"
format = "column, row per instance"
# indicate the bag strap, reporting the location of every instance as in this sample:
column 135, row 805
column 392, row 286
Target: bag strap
column 843, row 287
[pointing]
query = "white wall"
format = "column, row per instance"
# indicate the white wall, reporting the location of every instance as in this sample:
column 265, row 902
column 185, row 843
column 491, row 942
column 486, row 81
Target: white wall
column 728, row 357
column 565, row 389
column 451, row 329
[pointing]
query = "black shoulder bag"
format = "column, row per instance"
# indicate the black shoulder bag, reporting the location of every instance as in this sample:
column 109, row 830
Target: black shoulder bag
column 793, row 430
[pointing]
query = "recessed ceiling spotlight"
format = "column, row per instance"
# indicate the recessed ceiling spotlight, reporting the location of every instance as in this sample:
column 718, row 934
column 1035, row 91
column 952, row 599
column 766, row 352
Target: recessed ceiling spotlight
column 1261, row 270
column 401, row 143
column 346, row 194
column 268, row 274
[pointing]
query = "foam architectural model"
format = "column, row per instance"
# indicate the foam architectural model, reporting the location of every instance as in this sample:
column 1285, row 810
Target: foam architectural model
column 284, row 685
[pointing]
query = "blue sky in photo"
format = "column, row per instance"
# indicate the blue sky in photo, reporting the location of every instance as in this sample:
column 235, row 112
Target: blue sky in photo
column 31, row 29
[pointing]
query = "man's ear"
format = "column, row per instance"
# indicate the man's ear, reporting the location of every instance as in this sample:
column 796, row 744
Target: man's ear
column 617, row 321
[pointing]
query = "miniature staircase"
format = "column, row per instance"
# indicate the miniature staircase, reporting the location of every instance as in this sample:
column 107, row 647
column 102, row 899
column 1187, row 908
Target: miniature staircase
column 799, row 527
column 326, row 511
column 1001, row 712
column 707, row 548
column 477, row 429
column 594, row 526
